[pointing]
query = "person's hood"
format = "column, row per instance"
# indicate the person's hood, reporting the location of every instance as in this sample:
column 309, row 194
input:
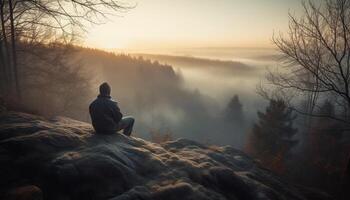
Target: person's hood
column 104, row 96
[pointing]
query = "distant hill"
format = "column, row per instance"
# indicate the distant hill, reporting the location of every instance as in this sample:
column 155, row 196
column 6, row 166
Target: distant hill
column 195, row 62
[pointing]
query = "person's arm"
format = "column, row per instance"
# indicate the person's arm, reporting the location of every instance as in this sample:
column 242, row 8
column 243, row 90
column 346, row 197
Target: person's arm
column 117, row 115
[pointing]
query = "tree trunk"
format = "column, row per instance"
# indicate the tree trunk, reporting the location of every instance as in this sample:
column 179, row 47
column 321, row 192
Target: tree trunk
column 346, row 183
column 14, row 52
column 3, row 71
column 5, row 51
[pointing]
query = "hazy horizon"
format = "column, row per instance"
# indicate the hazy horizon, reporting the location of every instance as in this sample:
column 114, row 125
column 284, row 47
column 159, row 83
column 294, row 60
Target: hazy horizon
column 165, row 24
column 105, row 99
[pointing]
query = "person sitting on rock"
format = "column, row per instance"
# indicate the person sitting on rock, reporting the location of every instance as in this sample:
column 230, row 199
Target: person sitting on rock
column 106, row 116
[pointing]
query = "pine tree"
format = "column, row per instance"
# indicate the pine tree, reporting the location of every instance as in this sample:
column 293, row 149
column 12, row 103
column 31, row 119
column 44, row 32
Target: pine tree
column 327, row 149
column 272, row 137
column 234, row 111
column 234, row 124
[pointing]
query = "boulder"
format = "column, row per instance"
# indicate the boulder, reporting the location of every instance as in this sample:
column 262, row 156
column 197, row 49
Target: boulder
column 66, row 160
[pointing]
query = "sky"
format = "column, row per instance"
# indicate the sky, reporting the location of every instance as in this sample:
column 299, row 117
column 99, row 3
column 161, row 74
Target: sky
column 194, row 24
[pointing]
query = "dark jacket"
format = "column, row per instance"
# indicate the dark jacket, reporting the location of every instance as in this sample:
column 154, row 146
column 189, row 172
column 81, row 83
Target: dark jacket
column 105, row 115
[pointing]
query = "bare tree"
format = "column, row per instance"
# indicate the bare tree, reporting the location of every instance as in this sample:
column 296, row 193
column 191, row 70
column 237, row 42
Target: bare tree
column 316, row 53
column 63, row 18
column 13, row 48
column 4, row 47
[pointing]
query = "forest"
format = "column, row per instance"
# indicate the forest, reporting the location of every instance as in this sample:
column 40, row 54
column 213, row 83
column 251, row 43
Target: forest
column 295, row 121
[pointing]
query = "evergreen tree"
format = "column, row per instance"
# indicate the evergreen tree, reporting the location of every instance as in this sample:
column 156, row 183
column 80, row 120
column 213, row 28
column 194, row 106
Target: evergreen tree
column 234, row 123
column 234, row 111
column 327, row 149
column 272, row 137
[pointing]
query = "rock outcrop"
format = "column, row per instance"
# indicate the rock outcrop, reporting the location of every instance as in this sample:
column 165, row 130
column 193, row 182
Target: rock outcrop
column 63, row 159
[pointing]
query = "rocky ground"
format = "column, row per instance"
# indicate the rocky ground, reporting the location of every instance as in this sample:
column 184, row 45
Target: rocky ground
column 61, row 158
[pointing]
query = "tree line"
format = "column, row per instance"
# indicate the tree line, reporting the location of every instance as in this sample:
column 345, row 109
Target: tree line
column 28, row 25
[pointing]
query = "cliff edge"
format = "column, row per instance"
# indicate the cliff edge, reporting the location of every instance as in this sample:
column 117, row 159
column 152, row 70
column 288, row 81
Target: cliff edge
column 61, row 158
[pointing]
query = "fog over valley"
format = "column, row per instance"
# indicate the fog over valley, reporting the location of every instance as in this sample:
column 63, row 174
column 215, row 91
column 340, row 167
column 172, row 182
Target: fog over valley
column 185, row 96
column 185, row 99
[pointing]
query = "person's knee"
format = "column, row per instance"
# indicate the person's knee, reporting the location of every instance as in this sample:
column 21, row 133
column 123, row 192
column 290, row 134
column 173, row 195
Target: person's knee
column 131, row 120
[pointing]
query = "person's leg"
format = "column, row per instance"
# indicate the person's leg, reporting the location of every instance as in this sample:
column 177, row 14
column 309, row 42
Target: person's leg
column 126, row 124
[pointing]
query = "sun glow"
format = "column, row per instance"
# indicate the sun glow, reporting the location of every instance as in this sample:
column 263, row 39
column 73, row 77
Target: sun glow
column 195, row 23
